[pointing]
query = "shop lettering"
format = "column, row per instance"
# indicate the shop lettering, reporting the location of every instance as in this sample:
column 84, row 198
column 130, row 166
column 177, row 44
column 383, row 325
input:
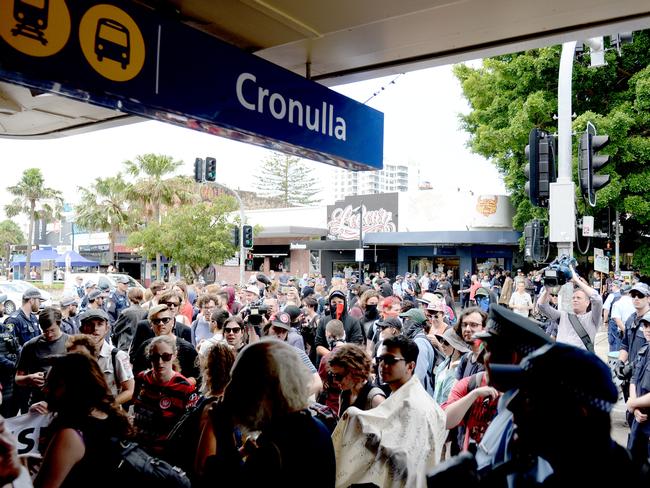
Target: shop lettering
column 344, row 222
column 294, row 111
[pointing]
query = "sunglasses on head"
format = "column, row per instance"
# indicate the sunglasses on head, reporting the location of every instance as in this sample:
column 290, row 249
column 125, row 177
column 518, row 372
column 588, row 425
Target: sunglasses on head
column 388, row 359
column 161, row 320
column 165, row 356
column 234, row 330
column 336, row 376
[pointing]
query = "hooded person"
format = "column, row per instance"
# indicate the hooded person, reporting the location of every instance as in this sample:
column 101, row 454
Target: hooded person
column 416, row 328
column 338, row 310
column 385, row 289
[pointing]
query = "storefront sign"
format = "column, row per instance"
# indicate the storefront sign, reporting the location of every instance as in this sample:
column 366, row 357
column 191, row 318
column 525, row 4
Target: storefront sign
column 379, row 215
column 127, row 57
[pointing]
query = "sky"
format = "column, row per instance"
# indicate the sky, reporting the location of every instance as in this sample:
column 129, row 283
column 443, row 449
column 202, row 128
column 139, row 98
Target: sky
column 422, row 129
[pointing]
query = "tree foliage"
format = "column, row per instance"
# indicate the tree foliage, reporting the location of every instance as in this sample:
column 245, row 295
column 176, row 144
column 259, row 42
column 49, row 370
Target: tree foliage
column 10, row 235
column 194, row 236
column 289, row 179
column 511, row 94
column 35, row 200
column 104, row 207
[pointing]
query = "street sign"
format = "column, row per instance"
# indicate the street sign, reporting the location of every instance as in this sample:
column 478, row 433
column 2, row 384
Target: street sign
column 127, row 57
column 358, row 255
column 588, row 226
column 601, row 262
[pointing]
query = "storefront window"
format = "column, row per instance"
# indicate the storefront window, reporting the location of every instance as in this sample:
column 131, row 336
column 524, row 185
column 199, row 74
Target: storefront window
column 345, row 268
column 486, row 264
column 435, row 264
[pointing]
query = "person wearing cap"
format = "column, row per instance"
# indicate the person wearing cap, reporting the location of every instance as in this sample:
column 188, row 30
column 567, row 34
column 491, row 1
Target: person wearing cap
column 24, row 323
column 397, row 286
column 638, row 403
column 251, row 294
column 576, row 439
column 95, row 300
column 113, row 362
column 581, row 332
column 614, row 335
column 279, row 329
column 453, row 347
column 78, row 287
column 118, row 299
column 162, row 323
column 294, row 338
column 33, row 362
column 9, row 349
column 633, row 338
column 89, row 287
column 69, row 323
column 386, row 328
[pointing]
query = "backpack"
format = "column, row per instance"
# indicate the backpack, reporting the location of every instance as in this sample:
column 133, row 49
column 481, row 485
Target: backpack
column 184, row 437
column 137, row 468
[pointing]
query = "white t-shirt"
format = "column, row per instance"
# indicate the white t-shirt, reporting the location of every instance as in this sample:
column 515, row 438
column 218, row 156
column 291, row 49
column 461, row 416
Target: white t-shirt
column 623, row 308
column 124, row 371
column 519, row 299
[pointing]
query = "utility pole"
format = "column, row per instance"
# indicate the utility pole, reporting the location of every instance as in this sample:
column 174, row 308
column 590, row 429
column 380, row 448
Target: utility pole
column 617, row 259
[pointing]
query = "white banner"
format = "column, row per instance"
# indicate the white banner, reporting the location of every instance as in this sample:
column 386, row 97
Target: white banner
column 27, row 431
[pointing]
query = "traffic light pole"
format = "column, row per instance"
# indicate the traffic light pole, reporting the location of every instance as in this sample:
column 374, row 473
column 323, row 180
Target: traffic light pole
column 242, row 250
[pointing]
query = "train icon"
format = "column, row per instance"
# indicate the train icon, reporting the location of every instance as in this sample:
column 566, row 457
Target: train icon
column 31, row 19
column 112, row 41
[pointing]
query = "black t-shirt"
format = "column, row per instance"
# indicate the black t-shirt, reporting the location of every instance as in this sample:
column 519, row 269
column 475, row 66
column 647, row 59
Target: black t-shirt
column 34, row 358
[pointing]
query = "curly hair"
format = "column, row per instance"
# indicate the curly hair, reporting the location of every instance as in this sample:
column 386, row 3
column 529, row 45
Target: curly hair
column 216, row 365
column 458, row 327
column 367, row 295
column 82, row 340
column 353, row 359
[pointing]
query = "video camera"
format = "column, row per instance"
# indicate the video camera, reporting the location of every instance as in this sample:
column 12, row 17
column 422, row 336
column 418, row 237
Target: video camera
column 559, row 271
column 254, row 313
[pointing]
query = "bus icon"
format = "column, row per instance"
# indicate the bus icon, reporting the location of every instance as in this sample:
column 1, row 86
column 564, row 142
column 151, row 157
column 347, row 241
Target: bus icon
column 31, row 19
column 112, row 41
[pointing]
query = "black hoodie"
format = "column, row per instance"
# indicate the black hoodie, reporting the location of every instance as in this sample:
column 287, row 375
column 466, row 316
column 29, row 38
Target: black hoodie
column 352, row 327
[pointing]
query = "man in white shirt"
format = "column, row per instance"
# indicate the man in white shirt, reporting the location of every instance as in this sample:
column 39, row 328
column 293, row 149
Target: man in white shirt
column 623, row 308
column 520, row 301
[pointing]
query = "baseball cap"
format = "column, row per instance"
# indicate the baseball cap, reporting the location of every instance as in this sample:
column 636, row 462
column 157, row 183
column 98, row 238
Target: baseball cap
column 415, row 314
column 616, row 283
column 32, row 293
column 390, row 322
column 508, row 327
column 104, row 287
column 436, row 305
column 641, row 288
column 67, row 301
column 93, row 313
column 282, row 320
column 122, row 279
column 253, row 289
column 568, row 366
column 427, row 297
column 645, row 318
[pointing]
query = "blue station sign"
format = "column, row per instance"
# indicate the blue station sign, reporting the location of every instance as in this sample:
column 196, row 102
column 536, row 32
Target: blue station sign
column 126, row 57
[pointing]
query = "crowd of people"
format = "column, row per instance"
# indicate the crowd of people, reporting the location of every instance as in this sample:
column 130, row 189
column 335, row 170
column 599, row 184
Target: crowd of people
column 389, row 382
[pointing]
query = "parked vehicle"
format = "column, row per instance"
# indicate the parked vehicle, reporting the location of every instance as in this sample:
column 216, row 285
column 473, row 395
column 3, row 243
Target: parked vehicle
column 14, row 291
column 106, row 279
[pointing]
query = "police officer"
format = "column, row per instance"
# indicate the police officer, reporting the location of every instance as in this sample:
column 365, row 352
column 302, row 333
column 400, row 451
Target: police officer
column 89, row 287
column 78, row 287
column 639, row 403
column 23, row 323
column 118, row 299
column 96, row 300
column 70, row 321
column 8, row 357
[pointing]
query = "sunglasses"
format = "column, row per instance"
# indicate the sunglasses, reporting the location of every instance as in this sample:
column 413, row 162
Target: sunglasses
column 636, row 294
column 336, row 376
column 554, row 294
column 435, row 314
column 171, row 304
column 233, row 330
column 389, row 360
column 165, row 356
column 162, row 320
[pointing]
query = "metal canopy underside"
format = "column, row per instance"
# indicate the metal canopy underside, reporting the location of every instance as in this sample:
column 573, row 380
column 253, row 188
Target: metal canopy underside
column 340, row 41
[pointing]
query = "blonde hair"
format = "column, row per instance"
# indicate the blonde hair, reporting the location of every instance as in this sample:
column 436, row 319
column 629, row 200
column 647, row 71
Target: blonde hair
column 171, row 342
column 269, row 380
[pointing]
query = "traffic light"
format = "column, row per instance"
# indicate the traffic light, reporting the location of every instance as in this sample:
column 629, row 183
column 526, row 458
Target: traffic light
column 198, row 170
column 533, row 235
column 248, row 262
column 248, row 236
column 210, row 169
column 234, row 236
column 589, row 161
column 540, row 170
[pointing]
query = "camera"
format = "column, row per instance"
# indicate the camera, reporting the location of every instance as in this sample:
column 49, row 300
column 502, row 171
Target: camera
column 559, row 271
column 255, row 312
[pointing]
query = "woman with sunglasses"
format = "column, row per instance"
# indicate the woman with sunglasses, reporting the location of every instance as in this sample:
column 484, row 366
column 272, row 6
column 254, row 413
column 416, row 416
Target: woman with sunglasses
column 162, row 395
column 80, row 451
column 349, row 370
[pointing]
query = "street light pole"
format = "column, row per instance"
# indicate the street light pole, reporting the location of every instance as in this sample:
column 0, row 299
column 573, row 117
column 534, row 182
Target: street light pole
column 241, row 227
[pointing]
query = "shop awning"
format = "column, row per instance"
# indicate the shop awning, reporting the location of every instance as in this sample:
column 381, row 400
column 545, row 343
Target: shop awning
column 470, row 237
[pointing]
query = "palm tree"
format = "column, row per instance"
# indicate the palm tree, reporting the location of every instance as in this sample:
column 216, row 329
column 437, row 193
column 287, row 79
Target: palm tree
column 30, row 192
column 104, row 207
column 155, row 187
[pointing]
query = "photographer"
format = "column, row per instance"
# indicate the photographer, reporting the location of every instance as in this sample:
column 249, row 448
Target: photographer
column 577, row 328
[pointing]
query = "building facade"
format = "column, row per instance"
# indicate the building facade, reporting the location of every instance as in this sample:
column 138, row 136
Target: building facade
column 393, row 178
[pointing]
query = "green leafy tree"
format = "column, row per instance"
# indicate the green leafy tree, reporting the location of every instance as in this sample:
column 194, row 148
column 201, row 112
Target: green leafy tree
column 288, row 179
column 10, row 235
column 194, row 236
column 155, row 187
column 35, row 200
column 509, row 95
column 104, row 207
